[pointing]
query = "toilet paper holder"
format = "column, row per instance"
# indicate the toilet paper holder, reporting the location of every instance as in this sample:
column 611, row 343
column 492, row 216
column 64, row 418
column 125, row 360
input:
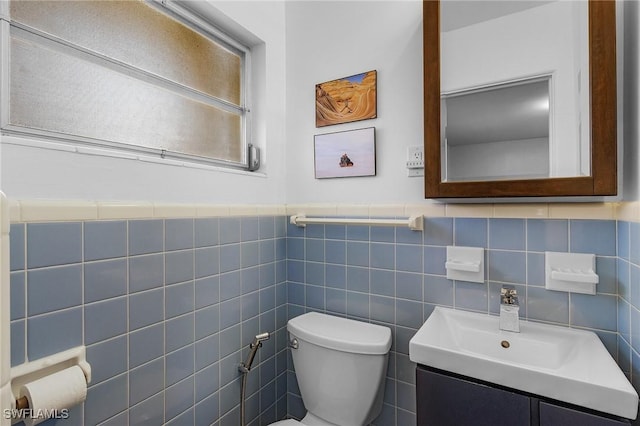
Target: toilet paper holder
column 30, row 371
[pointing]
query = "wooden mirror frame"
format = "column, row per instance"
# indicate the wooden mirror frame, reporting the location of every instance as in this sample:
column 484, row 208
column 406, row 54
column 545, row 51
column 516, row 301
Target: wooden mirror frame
column 602, row 82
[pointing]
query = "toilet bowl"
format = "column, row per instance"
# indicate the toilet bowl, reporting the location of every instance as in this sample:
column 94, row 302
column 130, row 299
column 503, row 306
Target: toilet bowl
column 340, row 366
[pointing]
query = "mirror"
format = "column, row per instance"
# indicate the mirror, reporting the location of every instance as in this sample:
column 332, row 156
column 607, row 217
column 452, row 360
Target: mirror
column 497, row 132
column 506, row 109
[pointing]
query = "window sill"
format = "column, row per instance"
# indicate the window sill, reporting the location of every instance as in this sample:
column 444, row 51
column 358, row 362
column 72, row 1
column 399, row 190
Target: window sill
column 115, row 153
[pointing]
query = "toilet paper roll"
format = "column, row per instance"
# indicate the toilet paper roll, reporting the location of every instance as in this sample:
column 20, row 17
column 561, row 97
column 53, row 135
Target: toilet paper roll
column 52, row 395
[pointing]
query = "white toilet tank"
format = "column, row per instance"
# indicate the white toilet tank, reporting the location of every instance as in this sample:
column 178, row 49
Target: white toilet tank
column 341, row 366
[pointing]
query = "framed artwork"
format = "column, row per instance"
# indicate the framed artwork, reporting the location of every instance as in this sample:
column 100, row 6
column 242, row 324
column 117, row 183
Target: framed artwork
column 347, row 99
column 345, row 154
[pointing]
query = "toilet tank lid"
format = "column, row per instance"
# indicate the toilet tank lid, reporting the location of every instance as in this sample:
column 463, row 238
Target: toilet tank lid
column 340, row 333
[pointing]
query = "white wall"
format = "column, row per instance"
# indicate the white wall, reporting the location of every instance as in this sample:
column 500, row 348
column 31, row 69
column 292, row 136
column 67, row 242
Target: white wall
column 34, row 172
column 324, row 40
column 328, row 40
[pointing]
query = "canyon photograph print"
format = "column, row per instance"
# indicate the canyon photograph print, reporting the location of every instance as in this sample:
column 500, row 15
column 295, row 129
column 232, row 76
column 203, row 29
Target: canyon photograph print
column 347, row 99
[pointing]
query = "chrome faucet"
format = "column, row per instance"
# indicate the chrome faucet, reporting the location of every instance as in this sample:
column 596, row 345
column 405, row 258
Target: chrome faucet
column 509, row 308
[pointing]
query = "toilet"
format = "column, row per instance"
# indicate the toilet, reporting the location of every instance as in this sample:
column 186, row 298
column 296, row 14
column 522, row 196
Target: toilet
column 341, row 366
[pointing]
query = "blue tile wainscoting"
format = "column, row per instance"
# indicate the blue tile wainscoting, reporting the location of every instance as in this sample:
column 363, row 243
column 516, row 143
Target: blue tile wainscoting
column 167, row 307
column 395, row 277
column 628, row 272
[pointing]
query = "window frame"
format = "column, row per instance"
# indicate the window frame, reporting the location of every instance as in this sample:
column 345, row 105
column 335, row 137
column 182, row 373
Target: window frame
column 109, row 148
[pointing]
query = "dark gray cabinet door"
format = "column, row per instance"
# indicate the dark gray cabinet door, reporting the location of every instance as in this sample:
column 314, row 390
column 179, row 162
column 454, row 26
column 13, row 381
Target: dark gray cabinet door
column 553, row 415
column 444, row 400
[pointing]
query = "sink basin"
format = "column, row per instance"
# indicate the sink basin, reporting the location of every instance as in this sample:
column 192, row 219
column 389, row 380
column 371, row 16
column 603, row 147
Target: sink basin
column 556, row 362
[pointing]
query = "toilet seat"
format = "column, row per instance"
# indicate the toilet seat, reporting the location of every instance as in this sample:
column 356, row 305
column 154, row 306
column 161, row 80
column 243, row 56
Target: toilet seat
column 288, row 422
column 308, row 420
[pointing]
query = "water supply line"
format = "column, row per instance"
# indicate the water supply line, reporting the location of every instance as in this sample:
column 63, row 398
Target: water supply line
column 245, row 367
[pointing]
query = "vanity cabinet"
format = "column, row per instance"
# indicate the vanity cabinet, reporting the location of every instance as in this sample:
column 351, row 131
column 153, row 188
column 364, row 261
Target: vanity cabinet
column 551, row 415
column 448, row 400
column 445, row 398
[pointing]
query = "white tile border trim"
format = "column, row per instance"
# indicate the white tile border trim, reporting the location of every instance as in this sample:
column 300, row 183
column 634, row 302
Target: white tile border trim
column 111, row 210
column 72, row 210
column 75, row 210
column 36, row 210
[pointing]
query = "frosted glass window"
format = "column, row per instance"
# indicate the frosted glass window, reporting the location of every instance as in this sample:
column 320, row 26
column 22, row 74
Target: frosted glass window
column 125, row 73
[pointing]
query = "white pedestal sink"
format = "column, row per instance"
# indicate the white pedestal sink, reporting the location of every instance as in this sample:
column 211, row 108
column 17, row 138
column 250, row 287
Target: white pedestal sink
column 561, row 363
